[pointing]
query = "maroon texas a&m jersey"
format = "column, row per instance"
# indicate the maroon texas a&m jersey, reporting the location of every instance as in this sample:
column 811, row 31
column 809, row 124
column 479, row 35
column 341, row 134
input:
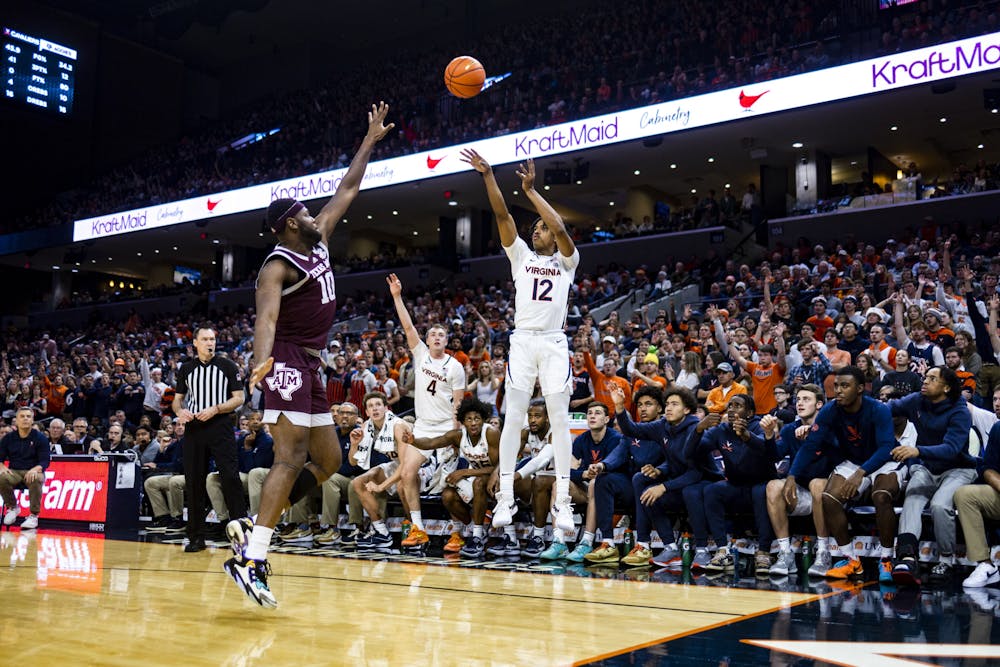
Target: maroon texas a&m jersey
column 308, row 306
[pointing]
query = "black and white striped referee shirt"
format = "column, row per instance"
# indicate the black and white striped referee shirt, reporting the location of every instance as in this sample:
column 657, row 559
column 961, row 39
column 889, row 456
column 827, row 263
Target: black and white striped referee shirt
column 204, row 385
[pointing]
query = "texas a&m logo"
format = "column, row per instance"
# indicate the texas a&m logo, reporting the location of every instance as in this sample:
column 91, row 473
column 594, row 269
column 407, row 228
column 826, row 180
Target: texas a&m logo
column 286, row 381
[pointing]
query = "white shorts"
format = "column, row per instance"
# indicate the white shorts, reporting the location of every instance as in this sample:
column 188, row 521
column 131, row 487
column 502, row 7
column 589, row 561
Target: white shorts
column 846, row 468
column 542, row 356
column 464, row 489
column 298, row 418
column 425, row 429
column 426, row 476
column 433, row 475
column 803, row 502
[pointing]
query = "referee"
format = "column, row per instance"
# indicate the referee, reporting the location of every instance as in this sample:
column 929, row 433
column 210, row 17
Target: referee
column 208, row 391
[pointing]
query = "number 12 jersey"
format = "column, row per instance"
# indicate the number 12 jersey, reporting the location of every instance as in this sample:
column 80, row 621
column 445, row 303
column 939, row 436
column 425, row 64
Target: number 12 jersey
column 542, row 284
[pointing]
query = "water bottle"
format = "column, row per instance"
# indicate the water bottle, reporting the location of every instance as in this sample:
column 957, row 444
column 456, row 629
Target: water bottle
column 734, row 552
column 807, row 552
column 406, row 528
column 687, row 553
column 628, row 541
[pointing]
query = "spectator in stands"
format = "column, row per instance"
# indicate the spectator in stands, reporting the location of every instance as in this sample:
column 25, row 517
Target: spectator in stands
column 718, row 398
column 164, row 484
column 59, row 441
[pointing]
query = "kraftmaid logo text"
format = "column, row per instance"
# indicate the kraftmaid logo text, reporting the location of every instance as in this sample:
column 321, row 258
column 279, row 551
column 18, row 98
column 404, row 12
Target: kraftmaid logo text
column 960, row 60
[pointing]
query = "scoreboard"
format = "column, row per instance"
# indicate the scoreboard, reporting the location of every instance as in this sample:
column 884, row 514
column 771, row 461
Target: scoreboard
column 38, row 72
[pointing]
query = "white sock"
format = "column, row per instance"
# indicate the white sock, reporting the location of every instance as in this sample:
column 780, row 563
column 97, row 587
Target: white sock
column 784, row 544
column 507, row 484
column 701, row 550
column 260, row 540
column 562, row 489
column 380, row 527
column 417, row 520
column 510, row 532
column 588, row 538
column 478, row 531
column 643, row 545
column 822, row 544
column 947, row 559
column 538, row 532
column 557, row 536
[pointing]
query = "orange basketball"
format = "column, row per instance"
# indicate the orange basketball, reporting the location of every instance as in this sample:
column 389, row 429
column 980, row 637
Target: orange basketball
column 464, row 77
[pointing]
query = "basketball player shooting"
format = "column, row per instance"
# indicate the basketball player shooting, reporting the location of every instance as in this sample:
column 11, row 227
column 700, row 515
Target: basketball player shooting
column 538, row 347
column 296, row 305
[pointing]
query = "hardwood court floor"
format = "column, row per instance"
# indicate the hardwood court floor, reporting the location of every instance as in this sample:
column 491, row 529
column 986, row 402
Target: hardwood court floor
column 70, row 599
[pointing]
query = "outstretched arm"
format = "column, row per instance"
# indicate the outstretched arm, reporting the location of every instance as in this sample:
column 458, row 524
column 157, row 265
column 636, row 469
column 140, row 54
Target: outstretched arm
column 505, row 223
column 396, row 290
column 334, row 210
column 270, row 282
column 552, row 220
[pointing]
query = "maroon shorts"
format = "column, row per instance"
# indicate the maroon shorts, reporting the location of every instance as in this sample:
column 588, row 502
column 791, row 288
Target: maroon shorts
column 295, row 388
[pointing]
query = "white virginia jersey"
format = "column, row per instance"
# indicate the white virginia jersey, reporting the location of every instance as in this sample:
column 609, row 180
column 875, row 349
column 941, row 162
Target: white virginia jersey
column 434, row 385
column 477, row 454
column 542, row 284
column 384, row 440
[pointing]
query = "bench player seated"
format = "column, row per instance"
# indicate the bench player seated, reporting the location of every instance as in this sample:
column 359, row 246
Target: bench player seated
column 808, row 400
column 536, row 442
column 465, row 496
column 589, row 448
column 863, row 431
column 748, row 460
column 378, row 445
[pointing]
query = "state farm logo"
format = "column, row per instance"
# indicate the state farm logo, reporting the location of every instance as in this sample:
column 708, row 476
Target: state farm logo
column 75, row 490
column 72, row 494
column 747, row 101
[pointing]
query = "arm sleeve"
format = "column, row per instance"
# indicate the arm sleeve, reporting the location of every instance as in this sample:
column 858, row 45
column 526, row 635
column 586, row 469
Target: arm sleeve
column 646, row 430
column 693, row 443
column 44, row 452
column 991, row 460
column 685, row 479
column 956, row 436
column 537, row 463
column 576, row 474
column 806, row 455
column 233, row 378
column 181, row 384
column 885, row 438
column 617, row 458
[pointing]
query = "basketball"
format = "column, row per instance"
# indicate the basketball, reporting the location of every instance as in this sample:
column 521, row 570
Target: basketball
column 464, row 77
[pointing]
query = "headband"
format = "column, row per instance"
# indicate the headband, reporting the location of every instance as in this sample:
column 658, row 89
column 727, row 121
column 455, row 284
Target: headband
column 278, row 225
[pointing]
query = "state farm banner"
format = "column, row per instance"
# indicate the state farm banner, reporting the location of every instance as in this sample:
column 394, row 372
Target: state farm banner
column 73, row 490
column 876, row 75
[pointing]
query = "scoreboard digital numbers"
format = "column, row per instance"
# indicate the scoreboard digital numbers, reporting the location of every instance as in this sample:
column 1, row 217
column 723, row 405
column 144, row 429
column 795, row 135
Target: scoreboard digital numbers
column 38, row 72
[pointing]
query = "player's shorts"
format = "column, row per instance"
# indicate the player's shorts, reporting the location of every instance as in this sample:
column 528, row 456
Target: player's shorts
column 542, row 356
column 295, row 388
column 427, row 476
column 803, row 502
column 846, row 468
column 425, row 429
column 434, row 473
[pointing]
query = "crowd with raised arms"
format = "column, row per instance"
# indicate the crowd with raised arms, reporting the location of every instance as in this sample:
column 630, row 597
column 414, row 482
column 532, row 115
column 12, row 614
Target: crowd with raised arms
column 673, row 51
column 824, row 376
